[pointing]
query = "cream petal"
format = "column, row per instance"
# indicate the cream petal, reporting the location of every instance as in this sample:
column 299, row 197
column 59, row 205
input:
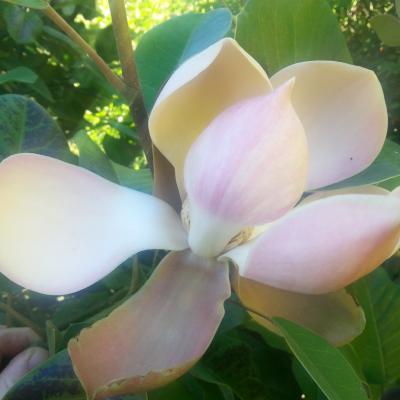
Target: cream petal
column 62, row 227
column 199, row 90
column 323, row 246
column 365, row 189
column 156, row 335
column 335, row 316
column 340, row 106
column 247, row 168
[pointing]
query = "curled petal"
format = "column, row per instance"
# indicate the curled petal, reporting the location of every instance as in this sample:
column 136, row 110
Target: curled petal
column 199, row 90
column 340, row 106
column 156, row 335
column 323, row 246
column 335, row 316
column 247, row 168
column 62, row 227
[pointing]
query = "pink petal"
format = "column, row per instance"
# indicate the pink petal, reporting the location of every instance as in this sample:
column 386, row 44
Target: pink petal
column 340, row 106
column 62, row 227
column 156, row 335
column 325, row 245
column 247, row 168
column 335, row 316
column 199, row 90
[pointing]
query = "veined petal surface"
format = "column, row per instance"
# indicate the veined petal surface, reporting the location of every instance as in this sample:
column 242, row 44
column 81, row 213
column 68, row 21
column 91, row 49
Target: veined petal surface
column 62, row 228
column 335, row 316
column 247, row 168
column 340, row 106
column 156, row 335
column 199, row 90
column 323, row 246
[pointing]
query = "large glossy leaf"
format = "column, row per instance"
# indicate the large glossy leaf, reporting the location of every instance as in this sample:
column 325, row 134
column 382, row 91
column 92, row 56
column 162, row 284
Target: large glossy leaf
column 163, row 48
column 52, row 380
column 278, row 33
column 385, row 167
column 19, row 74
column 22, row 26
column 387, row 28
column 379, row 345
column 27, row 127
column 326, row 365
column 94, row 159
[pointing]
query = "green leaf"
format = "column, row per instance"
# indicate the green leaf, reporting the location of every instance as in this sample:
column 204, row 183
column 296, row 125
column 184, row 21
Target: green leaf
column 52, row 380
column 214, row 26
column 94, row 159
column 162, row 49
column 397, row 7
column 38, row 4
column 19, row 74
column 387, row 28
column 326, row 365
column 385, row 167
column 278, row 33
column 27, row 127
column 379, row 345
column 23, row 26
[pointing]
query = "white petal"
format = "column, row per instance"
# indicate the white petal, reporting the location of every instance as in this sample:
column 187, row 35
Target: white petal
column 62, row 227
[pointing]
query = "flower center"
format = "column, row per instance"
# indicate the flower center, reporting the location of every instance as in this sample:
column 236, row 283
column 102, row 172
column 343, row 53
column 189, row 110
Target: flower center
column 243, row 236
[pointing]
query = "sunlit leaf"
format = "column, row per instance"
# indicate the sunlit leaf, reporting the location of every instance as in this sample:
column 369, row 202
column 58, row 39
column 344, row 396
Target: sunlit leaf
column 387, row 28
column 278, row 33
column 326, row 365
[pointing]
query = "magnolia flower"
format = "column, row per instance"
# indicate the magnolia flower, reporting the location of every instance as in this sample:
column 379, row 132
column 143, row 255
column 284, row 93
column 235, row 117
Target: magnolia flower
column 244, row 150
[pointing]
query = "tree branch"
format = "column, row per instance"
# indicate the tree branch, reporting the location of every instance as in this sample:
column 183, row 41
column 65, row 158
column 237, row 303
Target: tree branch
column 112, row 78
column 124, row 43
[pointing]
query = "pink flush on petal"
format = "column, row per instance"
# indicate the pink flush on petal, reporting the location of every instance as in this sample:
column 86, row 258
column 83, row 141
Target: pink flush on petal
column 249, row 166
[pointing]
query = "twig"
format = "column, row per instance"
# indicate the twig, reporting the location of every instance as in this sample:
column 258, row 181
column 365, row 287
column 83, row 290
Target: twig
column 20, row 318
column 129, row 70
column 112, row 78
column 124, row 43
